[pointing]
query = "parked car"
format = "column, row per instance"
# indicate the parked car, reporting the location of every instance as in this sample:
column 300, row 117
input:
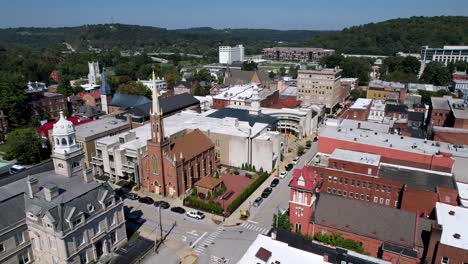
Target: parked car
column 274, row 182
column 131, row 196
column 178, row 210
column 146, row 200
column 289, row 167
column 266, row 192
column 283, row 174
column 258, row 201
column 295, row 160
column 16, row 168
column 196, row 214
column 162, row 204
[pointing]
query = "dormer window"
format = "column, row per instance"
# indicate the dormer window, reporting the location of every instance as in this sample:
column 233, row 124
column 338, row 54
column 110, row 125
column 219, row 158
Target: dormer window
column 300, row 181
column 31, row 216
column 77, row 222
column 109, row 203
column 90, row 208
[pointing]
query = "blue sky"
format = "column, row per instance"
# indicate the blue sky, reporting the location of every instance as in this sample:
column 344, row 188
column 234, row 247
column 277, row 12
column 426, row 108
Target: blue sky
column 284, row 14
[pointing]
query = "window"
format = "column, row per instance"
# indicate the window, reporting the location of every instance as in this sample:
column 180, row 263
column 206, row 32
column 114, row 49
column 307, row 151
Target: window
column 356, row 195
column 334, row 191
column 19, row 238
column 445, row 260
column 2, row 248
column 351, row 194
column 447, row 199
column 358, row 183
column 113, row 237
column 383, row 188
column 23, row 258
column 339, row 192
column 96, row 228
column 343, row 166
column 90, row 208
column 364, row 184
column 369, row 186
column 83, row 258
column 77, row 222
column 109, row 203
column 334, row 165
column 362, row 196
column 154, row 163
column 396, row 203
column 381, row 200
column 79, row 240
column 52, row 243
column 377, row 187
column 340, row 180
column 387, row 201
column 352, row 182
column 367, row 198
column 376, row 199
column 345, row 193
column 298, row 228
column 346, row 181
column 328, row 190
column 110, row 219
column 369, row 171
column 335, row 179
column 389, row 189
column 329, row 178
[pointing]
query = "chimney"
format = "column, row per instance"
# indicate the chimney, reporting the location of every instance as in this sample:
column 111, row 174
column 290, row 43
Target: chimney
column 129, row 120
column 33, row 186
column 88, row 175
column 50, row 191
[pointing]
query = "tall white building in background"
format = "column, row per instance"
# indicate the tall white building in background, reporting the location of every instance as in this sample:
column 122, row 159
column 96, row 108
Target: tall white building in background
column 446, row 55
column 94, row 72
column 228, row 55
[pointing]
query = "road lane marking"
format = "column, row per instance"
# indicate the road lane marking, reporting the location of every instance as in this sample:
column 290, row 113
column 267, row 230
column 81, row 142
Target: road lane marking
column 253, row 222
column 198, row 240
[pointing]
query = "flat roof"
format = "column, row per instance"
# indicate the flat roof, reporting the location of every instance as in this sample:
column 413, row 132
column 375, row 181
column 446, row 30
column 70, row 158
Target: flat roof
column 277, row 251
column 99, row 126
column 243, row 93
column 418, row 179
column 383, row 84
column 356, row 157
column 440, row 103
column 361, row 103
column 453, row 220
column 364, row 125
column 463, row 193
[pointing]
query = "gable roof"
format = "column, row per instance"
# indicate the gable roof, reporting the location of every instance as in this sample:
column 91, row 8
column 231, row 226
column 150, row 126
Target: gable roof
column 208, row 182
column 309, row 176
column 239, row 77
column 12, row 210
column 169, row 105
column 190, row 145
column 371, row 220
column 244, row 115
column 128, row 100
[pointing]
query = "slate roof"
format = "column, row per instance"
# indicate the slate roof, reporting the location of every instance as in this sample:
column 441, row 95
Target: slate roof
column 396, row 108
column 190, row 145
column 12, row 209
column 244, row 115
column 416, row 116
column 311, row 179
column 421, row 180
column 239, row 77
column 370, row 220
column 440, row 103
column 128, row 100
column 169, row 105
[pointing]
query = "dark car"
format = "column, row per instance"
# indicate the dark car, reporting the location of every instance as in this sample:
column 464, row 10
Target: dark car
column 131, row 196
column 146, row 200
column 274, row 182
column 266, row 192
column 178, row 210
column 289, row 167
column 162, row 204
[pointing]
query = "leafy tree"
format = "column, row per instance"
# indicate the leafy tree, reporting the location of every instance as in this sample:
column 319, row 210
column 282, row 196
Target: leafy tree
column 293, row 71
column 436, row 73
column 357, row 68
column 332, row 61
column 249, row 66
column 358, row 93
column 410, row 65
column 271, row 74
column 13, row 99
column 283, row 221
column 282, row 71
column 426, row 95
column 24, row 145
column 202, row 75
column 300, row 150
column 134, row 88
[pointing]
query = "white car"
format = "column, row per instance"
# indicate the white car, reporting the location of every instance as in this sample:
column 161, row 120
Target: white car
column 283, row 174
column 196, row 214
column 295, row 160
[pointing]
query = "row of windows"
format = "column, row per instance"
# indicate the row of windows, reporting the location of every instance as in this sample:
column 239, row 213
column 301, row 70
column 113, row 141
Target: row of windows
column 360, row 196
column 358, row 183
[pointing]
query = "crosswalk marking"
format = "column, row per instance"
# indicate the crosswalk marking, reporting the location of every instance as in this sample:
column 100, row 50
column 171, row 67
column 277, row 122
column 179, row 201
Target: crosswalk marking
column 207, row 241
column 255, row 228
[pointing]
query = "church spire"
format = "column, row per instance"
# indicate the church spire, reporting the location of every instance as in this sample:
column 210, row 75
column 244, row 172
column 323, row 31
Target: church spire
column 155, row 96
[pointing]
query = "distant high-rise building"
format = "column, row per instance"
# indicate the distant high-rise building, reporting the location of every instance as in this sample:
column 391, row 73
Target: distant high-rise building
column 228, row 55
column 446, row 55
column 94, row 72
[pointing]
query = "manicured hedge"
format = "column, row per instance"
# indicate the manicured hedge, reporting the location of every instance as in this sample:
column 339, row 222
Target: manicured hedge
column 247, row 192
column 210, row 207
column 337, row 240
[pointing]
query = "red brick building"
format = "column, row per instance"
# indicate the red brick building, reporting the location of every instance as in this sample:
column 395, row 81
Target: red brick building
column 45, row 105
column 296, row 54
column 359, row 110
column 440, row 111
column 242, row 95
column 172, row 166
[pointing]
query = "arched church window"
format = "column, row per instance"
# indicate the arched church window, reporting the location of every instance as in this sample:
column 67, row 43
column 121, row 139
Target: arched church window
column 57, row 141
column 64, row 141
column 154, row 164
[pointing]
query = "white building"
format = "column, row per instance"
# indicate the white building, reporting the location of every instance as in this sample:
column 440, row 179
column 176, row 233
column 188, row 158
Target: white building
column 228, row 55
column 445, row 55
column 267, row 250
column 160, row 83
column 94, row 72
column 377, row 111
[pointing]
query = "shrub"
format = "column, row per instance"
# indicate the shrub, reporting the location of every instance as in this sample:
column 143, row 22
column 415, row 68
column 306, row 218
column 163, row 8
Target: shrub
column 309, row 143
column 247, row 192
column 236, row 172
column 337, row 240
column 210, row 207
column 300, row 151
column 283, row 222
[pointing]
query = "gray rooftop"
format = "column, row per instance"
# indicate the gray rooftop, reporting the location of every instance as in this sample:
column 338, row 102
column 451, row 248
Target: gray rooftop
column 370, row 220
column 440, row 103
column 383, row 84
column 356, row 157
column 418, row 179
column 99, row 126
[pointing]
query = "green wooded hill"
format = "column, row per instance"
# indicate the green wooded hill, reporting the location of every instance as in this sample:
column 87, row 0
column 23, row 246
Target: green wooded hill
column 203, row 41
column 391, row 36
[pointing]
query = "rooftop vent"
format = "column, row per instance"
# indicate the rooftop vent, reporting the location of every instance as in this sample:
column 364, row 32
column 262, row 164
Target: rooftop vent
column 375, row 133
column 452, row 213
column 355, row 139
column 456, row 236
column 401, row 137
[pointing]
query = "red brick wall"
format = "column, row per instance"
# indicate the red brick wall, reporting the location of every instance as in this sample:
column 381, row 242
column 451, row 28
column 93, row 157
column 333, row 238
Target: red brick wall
column 270, row 100
column 220, row 103
column 461, row 123
column 389, row 155
column 396, row 258
column 299, row 213
column 451, row 137
column 438, row 117
column 353, row 167
column 455, row 255
column 356, row 114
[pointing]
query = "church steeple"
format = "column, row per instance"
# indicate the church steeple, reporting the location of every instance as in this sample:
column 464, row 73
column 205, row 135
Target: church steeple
column 157, row 127
column 155, row 96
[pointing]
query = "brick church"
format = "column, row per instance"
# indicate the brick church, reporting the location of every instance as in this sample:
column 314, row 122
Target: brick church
column 173, row 165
